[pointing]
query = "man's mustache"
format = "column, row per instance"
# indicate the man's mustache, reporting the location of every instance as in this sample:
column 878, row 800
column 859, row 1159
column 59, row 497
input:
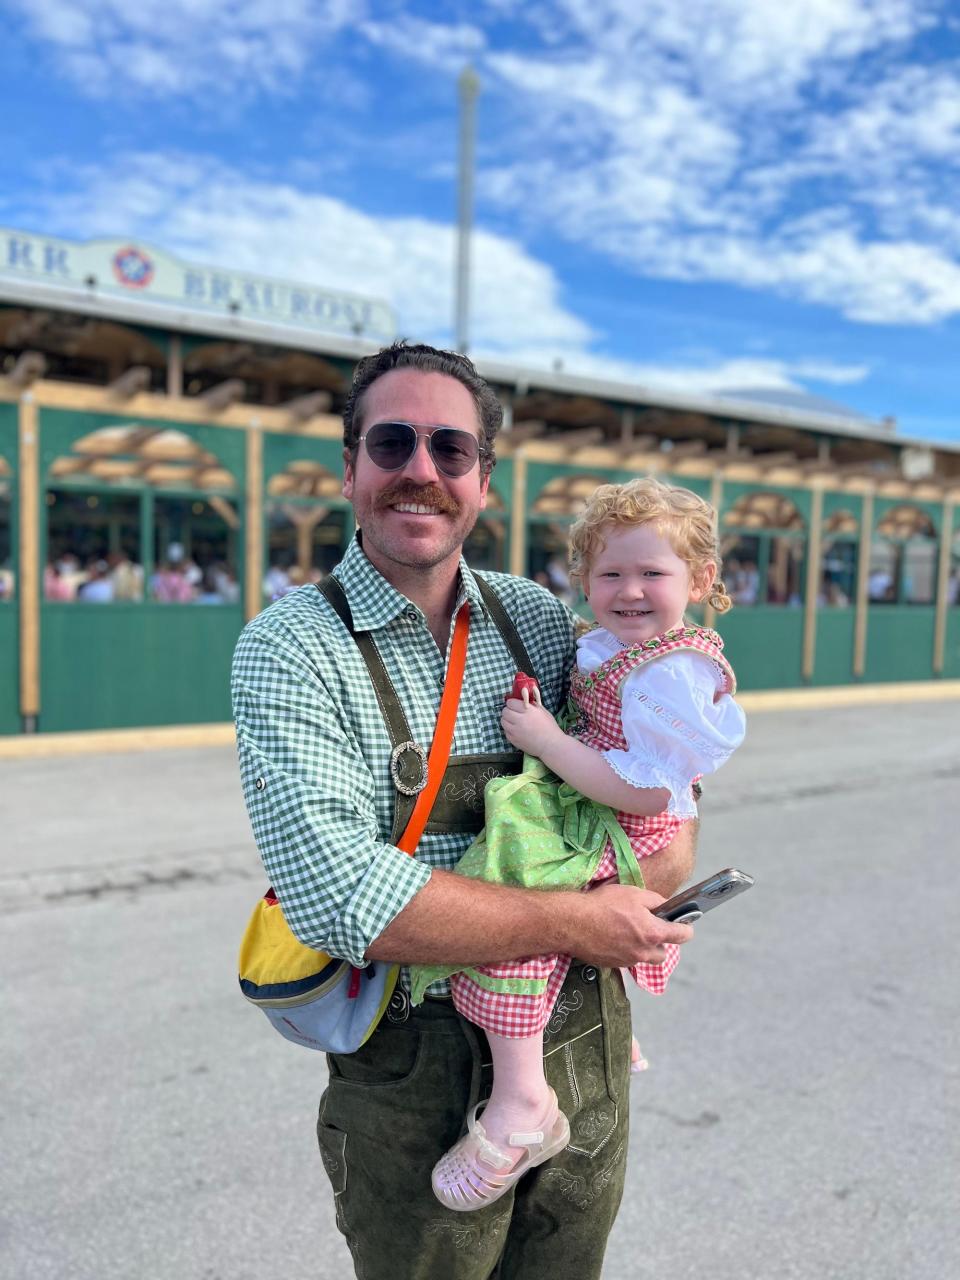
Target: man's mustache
column 425, row 495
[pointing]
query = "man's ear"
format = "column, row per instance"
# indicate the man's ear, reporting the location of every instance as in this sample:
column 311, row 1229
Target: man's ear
column 347, row 487
column 484, row 488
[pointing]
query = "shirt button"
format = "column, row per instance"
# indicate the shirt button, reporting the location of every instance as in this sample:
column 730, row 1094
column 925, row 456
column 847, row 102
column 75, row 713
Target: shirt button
column 440, row 681
column 260, row 784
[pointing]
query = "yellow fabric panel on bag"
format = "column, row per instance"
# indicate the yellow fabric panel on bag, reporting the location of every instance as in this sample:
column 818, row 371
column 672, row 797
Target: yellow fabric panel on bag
column 270, row 953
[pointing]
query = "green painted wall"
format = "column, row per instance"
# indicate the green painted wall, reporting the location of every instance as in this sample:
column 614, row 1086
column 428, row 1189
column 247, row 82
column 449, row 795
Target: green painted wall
column 899, row 643
column 129, row 665
column 833, row 660
column 9, row 613
column 764, row 645
column 123, row 666
column 951, row 651
column 9, row 669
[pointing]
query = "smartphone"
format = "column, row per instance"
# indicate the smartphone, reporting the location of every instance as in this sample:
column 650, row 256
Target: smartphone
column 689, row 905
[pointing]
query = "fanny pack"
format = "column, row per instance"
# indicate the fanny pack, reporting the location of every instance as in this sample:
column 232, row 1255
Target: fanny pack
column 312, row 998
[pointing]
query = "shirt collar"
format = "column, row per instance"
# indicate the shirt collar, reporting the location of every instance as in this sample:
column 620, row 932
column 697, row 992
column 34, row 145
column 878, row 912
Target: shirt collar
column 374, row 603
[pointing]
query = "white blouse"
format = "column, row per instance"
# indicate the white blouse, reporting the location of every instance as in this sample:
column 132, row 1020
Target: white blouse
column 673, row 727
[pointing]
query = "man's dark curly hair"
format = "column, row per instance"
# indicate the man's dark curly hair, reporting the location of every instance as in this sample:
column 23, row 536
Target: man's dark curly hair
column 408, row 355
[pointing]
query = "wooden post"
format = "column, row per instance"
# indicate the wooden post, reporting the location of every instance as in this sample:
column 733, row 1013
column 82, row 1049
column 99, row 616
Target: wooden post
column 814, row 556
column 518, row 527
column 863, row 576
column 943, row 586
column 29, row 496
column 175, row 366
column 253, row 545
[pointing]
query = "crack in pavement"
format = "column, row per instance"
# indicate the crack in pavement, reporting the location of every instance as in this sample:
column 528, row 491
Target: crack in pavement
column 36, row 890
column 62, row 886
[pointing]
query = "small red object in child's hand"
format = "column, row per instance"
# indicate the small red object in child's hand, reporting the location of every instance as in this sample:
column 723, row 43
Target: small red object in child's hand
column 521, row 682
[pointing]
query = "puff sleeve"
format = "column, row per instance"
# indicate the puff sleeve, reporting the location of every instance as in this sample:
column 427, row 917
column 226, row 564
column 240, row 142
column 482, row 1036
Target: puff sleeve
column 674, row 729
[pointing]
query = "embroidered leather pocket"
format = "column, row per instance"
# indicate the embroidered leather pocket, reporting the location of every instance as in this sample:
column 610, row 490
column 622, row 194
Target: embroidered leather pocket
column 584, row 1043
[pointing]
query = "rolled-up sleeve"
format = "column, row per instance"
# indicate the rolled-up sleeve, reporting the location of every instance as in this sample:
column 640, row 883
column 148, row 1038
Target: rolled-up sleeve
column 310, row 796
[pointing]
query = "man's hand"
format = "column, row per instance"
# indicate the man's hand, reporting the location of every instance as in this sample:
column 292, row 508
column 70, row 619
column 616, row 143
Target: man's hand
column 622, row 930
column 529, row 726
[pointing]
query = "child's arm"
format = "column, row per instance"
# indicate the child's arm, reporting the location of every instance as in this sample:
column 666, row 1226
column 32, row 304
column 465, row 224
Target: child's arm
column 533, row 729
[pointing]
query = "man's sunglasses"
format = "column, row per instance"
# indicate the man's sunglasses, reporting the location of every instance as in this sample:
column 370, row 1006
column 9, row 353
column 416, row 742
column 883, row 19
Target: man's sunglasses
column 391, row 445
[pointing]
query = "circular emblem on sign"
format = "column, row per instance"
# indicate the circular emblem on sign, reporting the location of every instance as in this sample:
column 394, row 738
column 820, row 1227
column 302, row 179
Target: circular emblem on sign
column 132, row 267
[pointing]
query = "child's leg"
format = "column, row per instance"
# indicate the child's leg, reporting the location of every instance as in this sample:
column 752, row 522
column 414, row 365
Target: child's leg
column 638, row 1062
column 521, row 1099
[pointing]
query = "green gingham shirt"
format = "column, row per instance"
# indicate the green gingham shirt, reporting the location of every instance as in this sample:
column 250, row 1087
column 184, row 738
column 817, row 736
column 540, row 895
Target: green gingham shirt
column 315, row 751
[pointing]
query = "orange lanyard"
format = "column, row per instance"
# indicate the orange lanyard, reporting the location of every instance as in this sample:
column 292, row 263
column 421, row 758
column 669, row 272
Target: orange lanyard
column 443, row 734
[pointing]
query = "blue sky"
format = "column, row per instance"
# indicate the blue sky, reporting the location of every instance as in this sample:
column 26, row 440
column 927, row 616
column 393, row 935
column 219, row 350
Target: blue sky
column 709, row 195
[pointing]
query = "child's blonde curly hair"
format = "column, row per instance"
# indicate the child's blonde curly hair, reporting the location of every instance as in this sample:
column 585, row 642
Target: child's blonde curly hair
column 684, row 519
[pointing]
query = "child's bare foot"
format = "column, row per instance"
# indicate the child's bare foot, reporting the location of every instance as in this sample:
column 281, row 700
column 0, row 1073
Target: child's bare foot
column 638, row 1062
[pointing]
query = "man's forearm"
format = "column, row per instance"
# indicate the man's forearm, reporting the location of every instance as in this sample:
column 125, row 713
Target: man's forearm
column 456, row 920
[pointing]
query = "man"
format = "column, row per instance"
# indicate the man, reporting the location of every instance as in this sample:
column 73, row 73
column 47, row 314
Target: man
column 419, row 432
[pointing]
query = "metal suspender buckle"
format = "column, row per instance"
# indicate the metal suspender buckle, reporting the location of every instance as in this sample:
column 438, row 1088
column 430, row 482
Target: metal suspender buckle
column 408, row 767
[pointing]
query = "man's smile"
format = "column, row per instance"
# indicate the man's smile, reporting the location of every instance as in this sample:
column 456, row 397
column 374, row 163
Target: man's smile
column 411, row 499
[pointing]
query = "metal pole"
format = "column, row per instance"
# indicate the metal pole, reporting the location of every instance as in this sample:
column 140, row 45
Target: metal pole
column 468, row 86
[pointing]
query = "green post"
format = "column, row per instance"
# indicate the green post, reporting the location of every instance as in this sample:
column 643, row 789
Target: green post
column 146, row 539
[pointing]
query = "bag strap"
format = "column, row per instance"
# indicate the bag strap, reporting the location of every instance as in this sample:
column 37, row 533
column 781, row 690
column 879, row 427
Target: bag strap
column 443, row 735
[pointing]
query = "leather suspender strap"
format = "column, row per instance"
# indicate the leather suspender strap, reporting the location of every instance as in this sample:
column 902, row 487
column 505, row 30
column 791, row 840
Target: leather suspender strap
column 390, row 708
column 393, row 714
column 505, row 625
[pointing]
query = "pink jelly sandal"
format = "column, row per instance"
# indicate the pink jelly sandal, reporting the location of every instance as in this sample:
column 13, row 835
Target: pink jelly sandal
column 461, row 1182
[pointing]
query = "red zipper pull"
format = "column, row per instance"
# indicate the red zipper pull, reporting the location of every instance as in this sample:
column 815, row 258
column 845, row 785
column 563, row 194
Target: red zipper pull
column 354, row 988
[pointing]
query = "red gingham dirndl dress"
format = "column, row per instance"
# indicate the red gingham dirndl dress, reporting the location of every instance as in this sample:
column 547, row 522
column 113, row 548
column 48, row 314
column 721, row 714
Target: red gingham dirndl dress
column 597, row 698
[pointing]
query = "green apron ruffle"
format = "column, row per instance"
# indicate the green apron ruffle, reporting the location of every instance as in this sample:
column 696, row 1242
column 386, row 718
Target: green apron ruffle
column 539, row 833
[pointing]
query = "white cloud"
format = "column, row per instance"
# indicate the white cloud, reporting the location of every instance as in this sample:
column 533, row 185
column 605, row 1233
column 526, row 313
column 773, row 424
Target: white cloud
column 731, row 115
column 728, row 47
column 440, row 45
column 914, row 114
column 163, row 47
column 710, row 376
column 203, row 210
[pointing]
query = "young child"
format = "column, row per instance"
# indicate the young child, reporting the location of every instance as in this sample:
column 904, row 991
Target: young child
column 654, row 711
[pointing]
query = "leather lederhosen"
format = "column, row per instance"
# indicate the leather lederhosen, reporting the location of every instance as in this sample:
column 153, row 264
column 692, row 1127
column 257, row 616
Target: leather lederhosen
column 459, row 803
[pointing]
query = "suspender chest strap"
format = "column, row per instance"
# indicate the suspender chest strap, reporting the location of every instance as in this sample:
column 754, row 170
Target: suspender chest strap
column 459, row 803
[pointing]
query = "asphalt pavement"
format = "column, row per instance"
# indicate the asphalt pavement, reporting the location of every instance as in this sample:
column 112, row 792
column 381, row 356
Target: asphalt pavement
column 799, row 1119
